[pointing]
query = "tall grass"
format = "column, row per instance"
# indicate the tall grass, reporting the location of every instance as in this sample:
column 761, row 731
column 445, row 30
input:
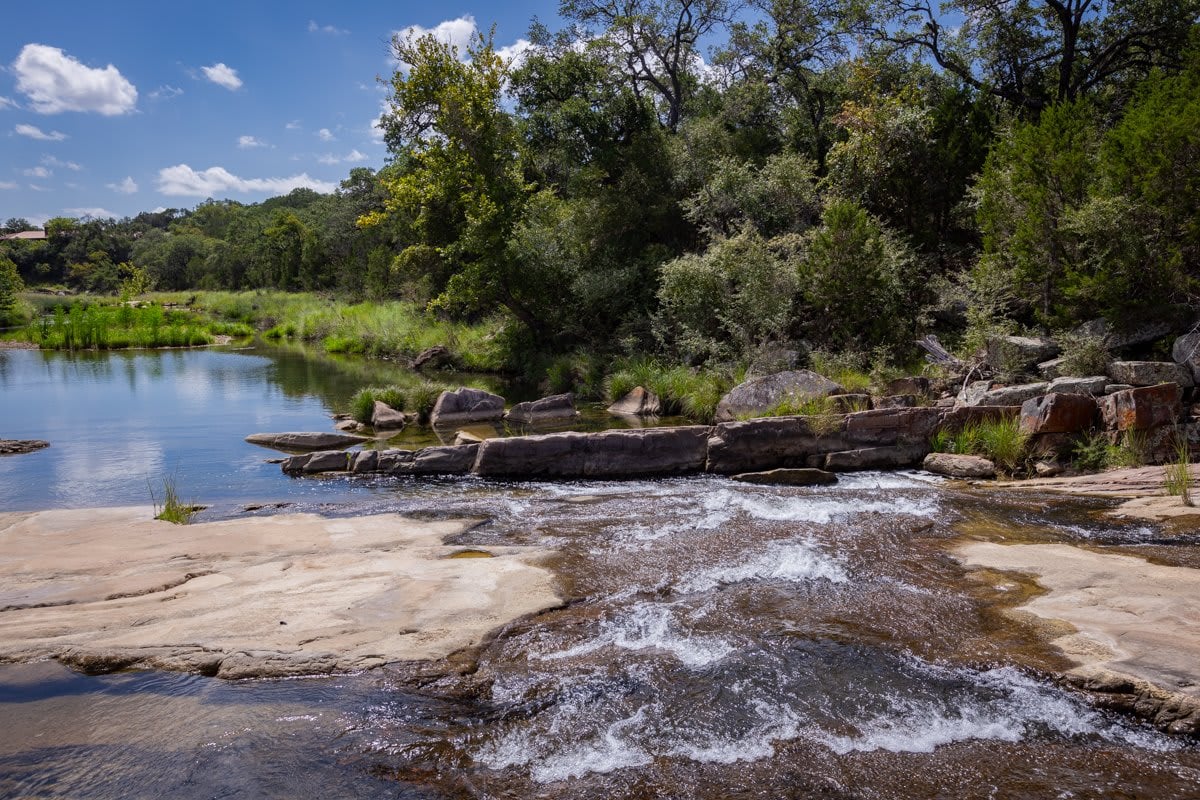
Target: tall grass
column 1178, row 477
column 90, row 326
column 385, row 329
column 172, row 509
column 1001, row 440
column 1096, row 452
column 680, row 390
column 418, row 398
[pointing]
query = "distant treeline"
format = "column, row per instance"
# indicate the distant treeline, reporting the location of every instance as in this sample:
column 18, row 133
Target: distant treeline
column 840, row 174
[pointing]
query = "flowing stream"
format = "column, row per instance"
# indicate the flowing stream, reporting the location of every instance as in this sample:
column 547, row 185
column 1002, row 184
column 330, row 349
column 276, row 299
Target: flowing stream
column 716, row 640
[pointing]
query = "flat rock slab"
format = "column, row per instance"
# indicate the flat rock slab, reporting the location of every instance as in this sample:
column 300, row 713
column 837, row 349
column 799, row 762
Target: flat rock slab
column 304, row 441
column 789, row 477
column 1128, row 482
column 293, row 594
column 1137, row 623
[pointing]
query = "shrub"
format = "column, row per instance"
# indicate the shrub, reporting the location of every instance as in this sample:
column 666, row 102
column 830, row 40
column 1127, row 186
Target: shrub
column 1083, row 355
column 1178, row 477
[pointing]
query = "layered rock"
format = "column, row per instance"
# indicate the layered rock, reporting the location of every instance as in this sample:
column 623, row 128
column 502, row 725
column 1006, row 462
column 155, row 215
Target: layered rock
column 978, row 395
column 467, row 405
column 762, row 394
column 1143, row 409
column 554, row 407
column 608, row 454
column 1058, row 413
column 1186, row 353
column 1093, row 385
column 1018, row 354
column 1150, row 373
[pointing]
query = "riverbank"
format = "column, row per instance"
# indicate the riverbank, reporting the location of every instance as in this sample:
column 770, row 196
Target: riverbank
column 293, row 594
column 1141, row 488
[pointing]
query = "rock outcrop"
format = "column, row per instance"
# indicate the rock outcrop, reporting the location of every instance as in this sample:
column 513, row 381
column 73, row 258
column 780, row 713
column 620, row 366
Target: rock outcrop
column 1150, row 373
column 10, row 447
column 761, row 394
column 301, row 441
column 983, row 393
column 1058, row 413
column 1142, row 409
column 638, row 402
column 467, row 405
column 608, row 454
column 1019, row 354
column 554, row 407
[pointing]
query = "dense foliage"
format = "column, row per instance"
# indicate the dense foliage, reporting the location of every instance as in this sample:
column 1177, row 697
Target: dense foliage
column 830, row 176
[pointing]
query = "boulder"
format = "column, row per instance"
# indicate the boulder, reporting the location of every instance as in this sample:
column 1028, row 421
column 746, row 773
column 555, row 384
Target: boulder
column 300, row 441
column 386, row 418
column 1150, row 373
column 347, row 425
column 973, row 393
column 914, row 385
column 955, row 420
column 435, row 357
column 1186, row 352
column 1067, row 385
column 364, row 461
column 1005, row 395
column 1117, row 340
column 1058, row 413
column 1143, row 408
column 788, row 477
column 608, row 454
column 1049, row 370
column 761, row 394
column 466, row 405
column 557, row 406
column 1019, row 354
column 639, row 402
column 312, row 463
column 895, row 456
column 958, row 466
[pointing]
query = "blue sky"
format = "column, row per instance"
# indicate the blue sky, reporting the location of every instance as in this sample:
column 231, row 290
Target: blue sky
column 115, row 108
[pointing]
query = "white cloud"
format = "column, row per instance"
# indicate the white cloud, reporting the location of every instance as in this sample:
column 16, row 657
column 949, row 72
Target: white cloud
column 34, row 132
column 127, row 186
column 166, row 92
column 37, row 188
column 8, row 185
column 514, row 53
column 55, row 82
column 93, row 213
column 51, row 161
column 182, row 180
column 37, row 172
column 313, row 27
column 325, row 135
column 457, row 32
column 6, row 103
column 249, row 142
column 294, row 125
column 222, row 75
column 353, row 157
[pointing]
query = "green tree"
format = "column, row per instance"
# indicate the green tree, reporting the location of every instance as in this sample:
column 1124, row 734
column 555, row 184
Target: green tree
column 10, row 287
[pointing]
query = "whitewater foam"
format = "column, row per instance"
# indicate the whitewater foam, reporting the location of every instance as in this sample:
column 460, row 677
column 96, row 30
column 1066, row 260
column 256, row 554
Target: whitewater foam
column 650, row 626
column 796, row 562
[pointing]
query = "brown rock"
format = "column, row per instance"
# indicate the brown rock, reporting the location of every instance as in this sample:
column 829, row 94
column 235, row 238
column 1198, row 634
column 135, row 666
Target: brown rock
column 788, row 477
column 386, row 418
column 639, row 402
column 434, row 357
column 608, row 454
column 1142, row 409
column 887, row 457
column 896, row 401
column 303, row 440
column 467, row 405
column 1058, row 413
column 849, row 403
column 10, row 447
column 557, row 406
column 959, row 466
column 916, row 385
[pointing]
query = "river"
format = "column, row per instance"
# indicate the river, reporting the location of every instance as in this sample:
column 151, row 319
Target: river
column 717, row 640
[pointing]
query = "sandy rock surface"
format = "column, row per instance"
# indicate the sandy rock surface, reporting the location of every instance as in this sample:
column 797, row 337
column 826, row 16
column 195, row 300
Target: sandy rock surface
column 291, row 594
column 1144, row 486
column 1137, row 624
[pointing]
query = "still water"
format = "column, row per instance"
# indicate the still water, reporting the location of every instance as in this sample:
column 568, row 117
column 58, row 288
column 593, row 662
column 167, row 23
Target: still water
column 717, row 640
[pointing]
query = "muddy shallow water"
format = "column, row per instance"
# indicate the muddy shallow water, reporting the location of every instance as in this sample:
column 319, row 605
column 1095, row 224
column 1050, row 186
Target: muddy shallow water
column 716, row 640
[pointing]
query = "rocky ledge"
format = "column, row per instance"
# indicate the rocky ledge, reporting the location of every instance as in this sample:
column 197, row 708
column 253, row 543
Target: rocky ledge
column 1132, row 628
column 294, row 594
column 9, row 447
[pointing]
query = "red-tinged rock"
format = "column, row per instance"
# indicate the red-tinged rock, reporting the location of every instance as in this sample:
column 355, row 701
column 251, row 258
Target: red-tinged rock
column 1143, row 408
column 1058, row 413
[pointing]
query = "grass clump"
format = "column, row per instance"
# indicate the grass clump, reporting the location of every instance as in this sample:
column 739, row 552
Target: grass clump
column 1001, row 441
column 418, row 399
column 172, row 509
column 1178, row 478
column 91, row 326
column 1096, row 452
column 680, row 390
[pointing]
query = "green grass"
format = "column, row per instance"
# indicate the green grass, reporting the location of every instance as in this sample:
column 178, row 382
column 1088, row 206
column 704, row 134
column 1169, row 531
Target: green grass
column 1178, row 477
column 173, row 509
column 418, row 398
column 681, row 390
column 1095, row 452
column 1001, row 441
column 386, row 329
column 92, row 326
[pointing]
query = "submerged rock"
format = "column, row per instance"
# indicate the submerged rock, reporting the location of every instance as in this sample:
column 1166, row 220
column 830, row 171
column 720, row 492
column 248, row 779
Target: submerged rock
column 556, row 406
column 304, row 440
column 9, row 447
column 789, row 477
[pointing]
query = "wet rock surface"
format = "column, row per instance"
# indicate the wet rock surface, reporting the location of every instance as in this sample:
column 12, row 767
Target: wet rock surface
column 304, row 440
column 11, row 447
